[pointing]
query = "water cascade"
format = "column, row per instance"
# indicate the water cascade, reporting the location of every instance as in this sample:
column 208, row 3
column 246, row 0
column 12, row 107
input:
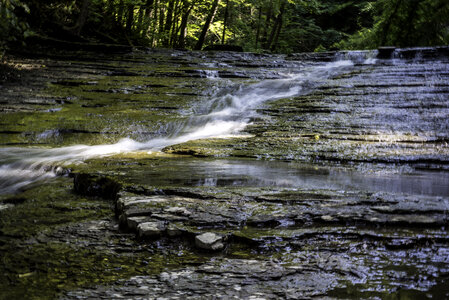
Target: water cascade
column 225, row 114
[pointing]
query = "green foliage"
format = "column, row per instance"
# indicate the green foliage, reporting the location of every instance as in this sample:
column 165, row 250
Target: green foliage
column 12, row 29
column 257, row 25
column 404, row 23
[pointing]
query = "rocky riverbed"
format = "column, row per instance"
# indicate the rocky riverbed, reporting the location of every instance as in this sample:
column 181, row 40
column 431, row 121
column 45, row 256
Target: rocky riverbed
column 241, row 176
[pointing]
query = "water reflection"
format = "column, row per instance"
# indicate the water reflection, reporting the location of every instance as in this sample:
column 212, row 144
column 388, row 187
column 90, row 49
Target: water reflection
column 245, row 173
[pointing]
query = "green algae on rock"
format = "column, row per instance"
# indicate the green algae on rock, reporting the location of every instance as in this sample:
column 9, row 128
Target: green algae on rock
column 338, row 189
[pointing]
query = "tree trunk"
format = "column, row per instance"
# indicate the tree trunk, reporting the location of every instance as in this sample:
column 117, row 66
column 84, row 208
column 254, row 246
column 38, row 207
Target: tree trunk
column 140, row 23
column 276, row 28
column 153, row 22
column 82, row 17
column 168, row 23
column 407, row 38
column 110, row 8
column 209, row 19
column 258, row 26
column 147, row 17
column 279, row 21
column 161, row 23
column 121, row 9
column 130, row 18
column 225, row 22
column 267, row 24
column 175, row 26
column 148, row 8
column 169, row 19
column 182, row 28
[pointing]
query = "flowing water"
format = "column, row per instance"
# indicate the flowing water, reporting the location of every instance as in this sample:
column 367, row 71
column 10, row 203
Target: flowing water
column 226, row 113
column 228, row 108
column 325, row 174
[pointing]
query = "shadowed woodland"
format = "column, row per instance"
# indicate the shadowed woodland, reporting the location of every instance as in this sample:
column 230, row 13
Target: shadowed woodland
column 283, row 26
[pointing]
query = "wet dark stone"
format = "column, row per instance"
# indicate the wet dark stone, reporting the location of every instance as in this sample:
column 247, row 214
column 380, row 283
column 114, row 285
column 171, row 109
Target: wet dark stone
column 67, row 83
column 423, row 53
column 14, row 200
column 10, row 132
column 93, row 105
column 92, row 185
column 38, row 42
column 313, row 56
column 404, row 244
column 385, row 52
column 231, row 74
column 219, row 47
column 228, row 279
column 263, row 221
column 443, row 51
column 122, row 73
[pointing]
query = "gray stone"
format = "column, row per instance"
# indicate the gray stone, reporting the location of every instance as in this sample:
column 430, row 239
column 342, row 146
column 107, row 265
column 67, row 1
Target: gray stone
column 209, row 241
column 132, row 222
column 173, row 231
column 178, row 211
column 150, row 229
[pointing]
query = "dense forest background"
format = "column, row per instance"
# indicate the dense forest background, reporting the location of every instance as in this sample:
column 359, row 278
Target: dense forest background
column 255, row 25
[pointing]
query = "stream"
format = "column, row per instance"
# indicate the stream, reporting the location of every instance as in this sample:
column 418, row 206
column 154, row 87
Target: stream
column 226, row 113
column 319, row 174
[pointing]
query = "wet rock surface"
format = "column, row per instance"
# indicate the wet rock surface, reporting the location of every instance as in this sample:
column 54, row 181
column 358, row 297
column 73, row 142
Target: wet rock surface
column 381, row 113
column 227, row 279
column 209, row 241
column 340, row 191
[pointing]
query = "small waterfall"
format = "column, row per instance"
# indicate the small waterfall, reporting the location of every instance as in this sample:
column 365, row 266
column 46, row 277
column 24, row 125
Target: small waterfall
column 364, row 57
column 225, row 114
column 211, row 74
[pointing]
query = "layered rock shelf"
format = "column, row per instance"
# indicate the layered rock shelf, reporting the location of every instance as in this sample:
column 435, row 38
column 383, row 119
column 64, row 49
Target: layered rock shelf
column 332, row 182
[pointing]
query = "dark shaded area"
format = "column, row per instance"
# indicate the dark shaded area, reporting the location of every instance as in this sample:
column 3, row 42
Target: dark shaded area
column 90, row 185
column 9, row 73
column 111, row 26
column 224, row 48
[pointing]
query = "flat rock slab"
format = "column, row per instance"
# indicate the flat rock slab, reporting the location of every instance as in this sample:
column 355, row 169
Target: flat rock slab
column 285, row 208
column 150, row 229
column 222, row 278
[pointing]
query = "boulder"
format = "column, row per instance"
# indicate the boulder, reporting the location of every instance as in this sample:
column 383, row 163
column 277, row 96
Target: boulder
column 209, row 241
column 150, row 229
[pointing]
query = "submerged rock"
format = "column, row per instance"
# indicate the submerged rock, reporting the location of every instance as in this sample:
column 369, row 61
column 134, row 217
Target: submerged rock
column 92, row 185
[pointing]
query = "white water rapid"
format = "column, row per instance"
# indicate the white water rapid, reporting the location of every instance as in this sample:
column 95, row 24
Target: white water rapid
column 223, row 115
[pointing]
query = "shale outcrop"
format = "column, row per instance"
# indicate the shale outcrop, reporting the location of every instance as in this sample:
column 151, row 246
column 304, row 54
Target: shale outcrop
column 338, row 189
